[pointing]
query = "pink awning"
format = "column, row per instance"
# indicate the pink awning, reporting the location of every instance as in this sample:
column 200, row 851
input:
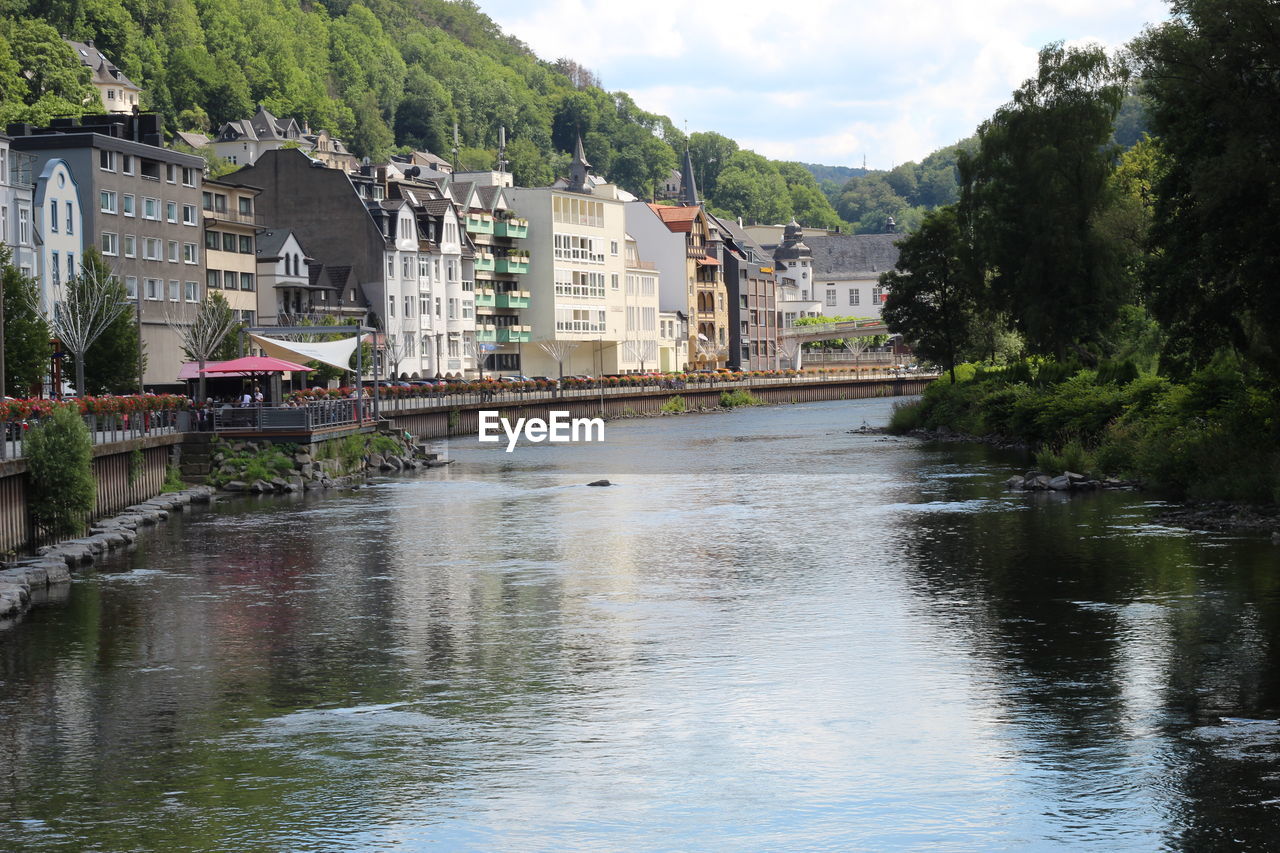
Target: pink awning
column 254, row 364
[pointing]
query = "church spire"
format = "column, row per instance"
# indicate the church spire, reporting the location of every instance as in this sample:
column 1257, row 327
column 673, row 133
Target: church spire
column 579, row 169
column 688, row 186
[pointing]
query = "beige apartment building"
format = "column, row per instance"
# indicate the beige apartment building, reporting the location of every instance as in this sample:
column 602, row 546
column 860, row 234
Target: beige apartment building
column 231, row 223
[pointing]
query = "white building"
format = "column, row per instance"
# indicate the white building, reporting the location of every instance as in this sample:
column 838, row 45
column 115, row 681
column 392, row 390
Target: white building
column 576, row 274
column 119, row 94
column 17, row 223
column 61, row 232
column 846, row 271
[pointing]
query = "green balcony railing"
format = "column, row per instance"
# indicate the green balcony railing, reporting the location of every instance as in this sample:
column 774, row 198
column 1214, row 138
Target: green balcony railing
column 479, row 224
column 512, row 299
column 515, row 334
column 485, row 297
column 513, row 263
column 486, row 333
column 518, row 228
column 484, row 263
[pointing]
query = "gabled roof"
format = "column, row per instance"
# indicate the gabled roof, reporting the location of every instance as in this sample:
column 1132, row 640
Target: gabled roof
column 853, row 255
column 270, row 243
column 191, row 138
column 677, row 218
column 104, row 70
column 437, row 206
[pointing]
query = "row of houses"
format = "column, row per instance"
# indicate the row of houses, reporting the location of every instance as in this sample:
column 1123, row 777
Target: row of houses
column 463, row 273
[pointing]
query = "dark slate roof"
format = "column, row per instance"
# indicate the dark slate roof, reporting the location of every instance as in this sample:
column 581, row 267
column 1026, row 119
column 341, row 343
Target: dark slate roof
column 461, row 191
column 437, row 206
column 270, row 242
column 853, row 255
column 104, row 70
column 487, row 196
column 744, row 240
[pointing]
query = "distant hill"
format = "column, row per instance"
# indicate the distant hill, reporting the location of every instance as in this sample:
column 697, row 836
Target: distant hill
column 838, row 174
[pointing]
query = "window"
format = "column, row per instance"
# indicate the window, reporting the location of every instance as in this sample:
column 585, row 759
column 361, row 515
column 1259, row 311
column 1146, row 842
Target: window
column 130, row 246
column 188, row 177
column 453, row 309
column 468, row 309
column 171, row 173
column 131, row 286
column 171, row 211
column 855, row 296
column 191, row 291
column 246, row 281
column 55, row 265
column 151, row 208
column 408, row 306
column 190, row 253
column 206, row 199
column 613, row 248
column 212, row 240
column 71, row 265
column 213, row 279
column 437, row 306
column 53, row 215
column 150, row 249
column 246, row 244
column 245, row 206
column 831, row 297
column 391, row 307
column 424, row 306
column 453, row 271
column 111, row 94
column 173, row 251
column 877, row 295
column 107, row 201
column 614, row 282
column 228, row 242
column 24, row 226
column 153, row 288
column 107, row 160
column 406, row 267
column 126, row 204
column 110, row 244
column 126, row 165
column 189, row 215
column 175, row 290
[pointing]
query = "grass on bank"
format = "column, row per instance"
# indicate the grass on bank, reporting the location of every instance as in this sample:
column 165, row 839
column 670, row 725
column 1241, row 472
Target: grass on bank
column 1215, row 436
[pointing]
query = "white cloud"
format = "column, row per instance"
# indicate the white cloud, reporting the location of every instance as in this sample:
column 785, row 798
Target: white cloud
column 825, row 81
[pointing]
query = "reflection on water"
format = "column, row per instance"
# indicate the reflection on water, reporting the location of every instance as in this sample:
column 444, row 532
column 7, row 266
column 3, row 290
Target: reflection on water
column 772, row 634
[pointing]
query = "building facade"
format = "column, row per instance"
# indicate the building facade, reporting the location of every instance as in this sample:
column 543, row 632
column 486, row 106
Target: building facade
column 119, row 94
column 243, row 141
column 56, row 211
column 140, row 205
column 847, row 269
column 752, row 296
column 231, row 225
column 17, row 221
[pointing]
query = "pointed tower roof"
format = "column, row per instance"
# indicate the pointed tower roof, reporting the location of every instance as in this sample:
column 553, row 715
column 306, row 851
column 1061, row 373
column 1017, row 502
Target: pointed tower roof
column 689, row 187
column 792, row 247
column 579, row 170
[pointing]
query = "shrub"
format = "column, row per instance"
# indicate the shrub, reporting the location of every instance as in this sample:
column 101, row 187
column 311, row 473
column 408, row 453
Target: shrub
column 906, row 417
column 674, row 405
column 738, row 397
column 60, row 465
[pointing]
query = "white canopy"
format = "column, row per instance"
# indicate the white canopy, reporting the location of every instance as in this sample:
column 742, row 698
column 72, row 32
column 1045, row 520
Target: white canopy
column 336, row 353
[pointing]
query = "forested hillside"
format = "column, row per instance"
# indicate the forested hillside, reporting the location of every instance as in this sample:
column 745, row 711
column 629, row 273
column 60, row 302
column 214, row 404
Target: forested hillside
column 383, row 74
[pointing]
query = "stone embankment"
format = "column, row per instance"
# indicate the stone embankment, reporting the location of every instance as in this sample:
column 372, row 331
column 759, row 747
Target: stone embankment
column 32, row 580
column 261, row 467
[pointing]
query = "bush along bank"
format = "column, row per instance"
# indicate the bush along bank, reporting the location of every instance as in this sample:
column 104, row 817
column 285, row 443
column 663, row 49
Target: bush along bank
column 45, row 577
column 1213, row 437
column 260, row 466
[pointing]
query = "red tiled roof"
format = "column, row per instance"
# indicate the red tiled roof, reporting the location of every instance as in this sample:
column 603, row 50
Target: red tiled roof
column 676, row 218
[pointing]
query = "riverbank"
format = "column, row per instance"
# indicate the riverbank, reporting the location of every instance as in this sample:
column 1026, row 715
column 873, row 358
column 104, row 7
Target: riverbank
column 1209, row 443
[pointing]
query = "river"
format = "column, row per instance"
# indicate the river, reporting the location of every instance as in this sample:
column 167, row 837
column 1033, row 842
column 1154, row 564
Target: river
column 771, row 634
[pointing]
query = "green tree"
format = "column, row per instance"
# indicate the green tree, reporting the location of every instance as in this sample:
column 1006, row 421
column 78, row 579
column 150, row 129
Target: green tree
column 26, row 335
column 751, row 187
column 710, row 152
column 111, row 355
column 808, row 203
column 59, row 464
column 1033, row 193
column 933, row 290
column 1211, row 87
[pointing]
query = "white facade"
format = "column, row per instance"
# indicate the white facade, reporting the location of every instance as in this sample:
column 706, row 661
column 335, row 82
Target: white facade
column 673, row 341
column 57, row 213
column 17, row 220
column 576, row 276
column 640, row 291
column 401, row 302
column 454, row 287
column 860, row 297
column 666, row 249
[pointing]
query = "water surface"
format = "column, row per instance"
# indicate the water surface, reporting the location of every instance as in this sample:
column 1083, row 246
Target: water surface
column 772, row 634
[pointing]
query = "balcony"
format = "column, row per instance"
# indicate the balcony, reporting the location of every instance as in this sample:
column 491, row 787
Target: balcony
column 486, row 332
column 517, row 228
column 515, row 334
column 513, row 299
column 484, row 262
column 485, row 297
column 214, row 215
column 479, row 223
column 512, row 264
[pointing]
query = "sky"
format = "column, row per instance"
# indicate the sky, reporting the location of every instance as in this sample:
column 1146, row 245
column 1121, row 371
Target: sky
column 826, row 81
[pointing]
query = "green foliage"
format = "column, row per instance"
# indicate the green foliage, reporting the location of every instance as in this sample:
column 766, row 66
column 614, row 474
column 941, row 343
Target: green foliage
column 111, row 362
column 673, row 406
column 738, row 397
column 906, row 417
column 752, row 187
column 136, row 461
column 1209, row 84
column 934, row 291
column 40, row 75
column 265, row 463
column 26, row 337
column 60, row 466
column 1032, row 194
column 173, row 480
